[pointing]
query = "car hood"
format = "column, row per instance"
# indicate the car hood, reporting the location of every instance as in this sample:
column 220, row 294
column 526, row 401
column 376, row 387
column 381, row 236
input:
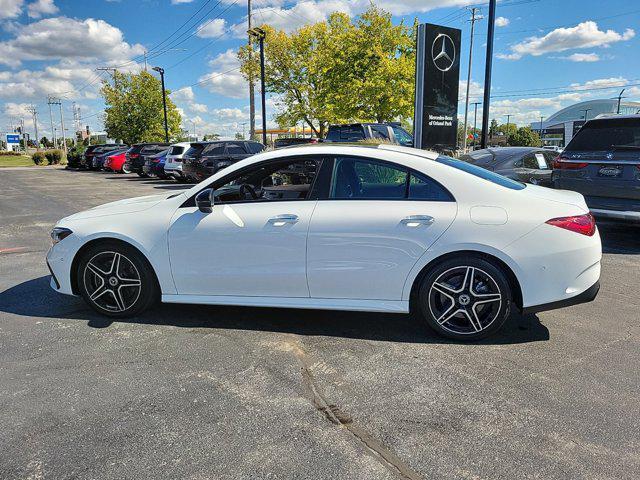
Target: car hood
column 562, row 196
column 129, row 205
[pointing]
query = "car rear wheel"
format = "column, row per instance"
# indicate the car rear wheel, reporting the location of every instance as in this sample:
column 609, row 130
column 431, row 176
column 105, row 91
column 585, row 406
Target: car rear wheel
column 142, row 174
column 125, row 168
column 116, row 280
column 466, row 298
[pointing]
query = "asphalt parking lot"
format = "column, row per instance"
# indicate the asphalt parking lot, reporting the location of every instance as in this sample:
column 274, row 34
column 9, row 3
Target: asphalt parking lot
column 235, row 393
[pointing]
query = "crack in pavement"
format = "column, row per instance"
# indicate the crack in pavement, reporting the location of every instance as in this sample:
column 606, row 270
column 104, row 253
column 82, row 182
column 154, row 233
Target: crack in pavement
column 335, row 415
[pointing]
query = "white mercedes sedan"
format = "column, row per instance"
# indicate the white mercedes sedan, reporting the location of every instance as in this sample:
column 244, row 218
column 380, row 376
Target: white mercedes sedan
column 380, row 229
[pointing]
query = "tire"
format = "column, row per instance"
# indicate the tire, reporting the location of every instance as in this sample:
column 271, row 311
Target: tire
column 116, row 280
column 466, row 298
column 143, row 175
column 125, row 169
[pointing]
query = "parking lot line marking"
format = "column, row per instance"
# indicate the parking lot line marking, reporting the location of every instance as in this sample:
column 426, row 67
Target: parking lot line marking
column 12, row 250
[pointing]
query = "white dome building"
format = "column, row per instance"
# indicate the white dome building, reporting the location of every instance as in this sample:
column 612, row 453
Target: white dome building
column 560, row 127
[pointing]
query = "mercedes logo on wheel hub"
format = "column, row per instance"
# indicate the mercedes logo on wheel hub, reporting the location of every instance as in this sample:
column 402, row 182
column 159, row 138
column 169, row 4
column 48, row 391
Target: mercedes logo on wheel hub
column 443, row 52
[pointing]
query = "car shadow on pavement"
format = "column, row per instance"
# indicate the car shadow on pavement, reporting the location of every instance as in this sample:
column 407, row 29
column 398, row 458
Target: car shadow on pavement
column 621, row 238
column 34, row 298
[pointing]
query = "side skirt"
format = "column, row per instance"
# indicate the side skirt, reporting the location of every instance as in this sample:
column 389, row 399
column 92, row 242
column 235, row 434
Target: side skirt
column 386, row 306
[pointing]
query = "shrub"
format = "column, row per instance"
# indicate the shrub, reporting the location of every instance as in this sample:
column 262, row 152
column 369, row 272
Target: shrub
column 38, row 158
column 53, row 156
column 11, row 153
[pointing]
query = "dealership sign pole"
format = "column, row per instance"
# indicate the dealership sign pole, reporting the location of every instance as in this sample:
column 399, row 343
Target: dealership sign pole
column 436, row 92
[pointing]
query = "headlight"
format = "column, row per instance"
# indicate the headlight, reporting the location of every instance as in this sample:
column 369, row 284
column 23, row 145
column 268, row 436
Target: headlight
column 58, row 234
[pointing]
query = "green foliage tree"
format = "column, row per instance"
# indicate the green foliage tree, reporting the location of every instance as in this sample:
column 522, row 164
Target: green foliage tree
column 338, row 70
column 525, row 137
column 133, row 110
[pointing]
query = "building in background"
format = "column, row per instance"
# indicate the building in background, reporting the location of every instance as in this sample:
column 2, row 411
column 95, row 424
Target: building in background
column 560, row 127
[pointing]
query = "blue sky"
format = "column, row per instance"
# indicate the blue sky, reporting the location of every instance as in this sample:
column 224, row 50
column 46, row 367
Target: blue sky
column 548, row 53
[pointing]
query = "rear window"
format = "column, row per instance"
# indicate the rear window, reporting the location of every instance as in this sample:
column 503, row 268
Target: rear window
column 177, row 150
column 606, row 134
column 481, row 173
column 346, row 133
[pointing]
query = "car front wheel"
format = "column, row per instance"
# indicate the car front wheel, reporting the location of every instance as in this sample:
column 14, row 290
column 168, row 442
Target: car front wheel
column 116, row 280
column 466, row 298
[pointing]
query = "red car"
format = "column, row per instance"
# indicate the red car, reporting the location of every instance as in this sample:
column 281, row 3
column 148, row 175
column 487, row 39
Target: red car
column 115, row 163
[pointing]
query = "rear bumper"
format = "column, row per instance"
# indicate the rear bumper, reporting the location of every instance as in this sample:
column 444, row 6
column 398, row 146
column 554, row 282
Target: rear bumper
column 587, row 296
column 627, row 216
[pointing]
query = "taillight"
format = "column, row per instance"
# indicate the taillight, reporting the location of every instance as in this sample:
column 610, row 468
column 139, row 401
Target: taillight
column 583, row 224
column 561, row 163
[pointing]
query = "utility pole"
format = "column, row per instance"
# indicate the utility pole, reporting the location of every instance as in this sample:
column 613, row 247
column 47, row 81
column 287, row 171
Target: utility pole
column 64, row 138
column 160, row 70
column 23, row 134
column 34, row 113
column 475, row 117
column 487, row 73
column 53, row 130
column 541, row 118
column 260, row 34
column 466, row 103
column 620, row 97
column 252, row 99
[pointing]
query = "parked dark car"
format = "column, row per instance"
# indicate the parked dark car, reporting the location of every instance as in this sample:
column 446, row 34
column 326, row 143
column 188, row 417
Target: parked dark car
column 137, row 155
column 92, row 150
column 99, row 158
column 293, row 141
column 525, row 164
column 154, row 164
column 357, row 132
column 204, row 159
column 602, row 162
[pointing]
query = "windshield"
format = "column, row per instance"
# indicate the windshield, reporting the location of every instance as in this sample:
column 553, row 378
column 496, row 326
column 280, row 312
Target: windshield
column 481, row 173
column 606, row 134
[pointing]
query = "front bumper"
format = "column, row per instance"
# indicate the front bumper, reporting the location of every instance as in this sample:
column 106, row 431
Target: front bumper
column 587, row 296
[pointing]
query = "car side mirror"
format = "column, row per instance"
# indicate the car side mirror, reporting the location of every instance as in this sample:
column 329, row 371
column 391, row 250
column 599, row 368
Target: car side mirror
column 204, row 200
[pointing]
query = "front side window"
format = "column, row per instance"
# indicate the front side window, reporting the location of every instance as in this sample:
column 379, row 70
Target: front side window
column 402, row 136
column 379, row 132
column 273, row 181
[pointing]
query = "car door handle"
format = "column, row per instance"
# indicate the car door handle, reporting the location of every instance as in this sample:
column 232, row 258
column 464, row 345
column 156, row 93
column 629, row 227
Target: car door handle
column 280, row 220
column 416, row 220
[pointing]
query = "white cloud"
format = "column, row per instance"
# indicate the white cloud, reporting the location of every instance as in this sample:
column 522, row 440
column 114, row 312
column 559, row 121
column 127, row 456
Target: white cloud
column 211, row 29
column 178, row 2
column 198, row 107
column 185, row 98
column 68, row 38
column 40, row 8
column 502, row 22
column 584, row 35
column 583, row 57
column 225, row 77
column 10, row 8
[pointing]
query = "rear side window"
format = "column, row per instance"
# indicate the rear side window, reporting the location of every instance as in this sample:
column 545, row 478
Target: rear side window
column 359, row 178
column 177, row 150
column 235, row 149
column 255, row 147
column 194, row 149
column 214, row 149
column 346, row 133
column 380, row 132
column 606, row 134
column 481, row 173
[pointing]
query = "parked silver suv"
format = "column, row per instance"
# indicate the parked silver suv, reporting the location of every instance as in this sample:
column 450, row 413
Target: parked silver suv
column 602, row 162
column 173, row 162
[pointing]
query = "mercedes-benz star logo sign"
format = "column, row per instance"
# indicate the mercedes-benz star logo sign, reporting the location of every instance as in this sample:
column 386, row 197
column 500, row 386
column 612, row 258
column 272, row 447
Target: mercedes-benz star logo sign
column 443, row 52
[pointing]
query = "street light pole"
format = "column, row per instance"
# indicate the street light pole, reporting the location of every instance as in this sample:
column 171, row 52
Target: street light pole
column 466, row 102
column 475, row 117
column 620, row 97
column 487, row 73
column 164, row 103
column 260, row 34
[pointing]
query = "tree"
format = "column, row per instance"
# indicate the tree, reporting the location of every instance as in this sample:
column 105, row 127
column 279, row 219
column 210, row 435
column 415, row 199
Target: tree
column 133, row 110
column 211, row 137
column 239, row 136
column 524, row 137
column 493, row 128
column 338, row 71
